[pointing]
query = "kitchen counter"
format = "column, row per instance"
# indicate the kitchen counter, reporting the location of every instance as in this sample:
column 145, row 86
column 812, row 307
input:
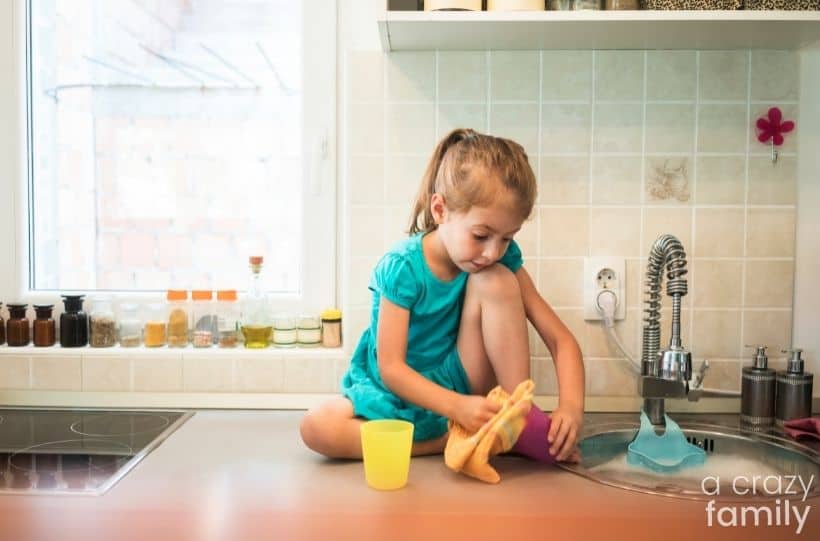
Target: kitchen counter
column 245, row 475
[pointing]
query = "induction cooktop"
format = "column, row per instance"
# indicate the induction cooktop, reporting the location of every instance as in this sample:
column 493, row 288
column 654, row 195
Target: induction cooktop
column 84, row 452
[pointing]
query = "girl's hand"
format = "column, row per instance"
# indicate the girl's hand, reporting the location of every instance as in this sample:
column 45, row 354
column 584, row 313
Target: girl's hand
column 564, row 432
column 473, row 411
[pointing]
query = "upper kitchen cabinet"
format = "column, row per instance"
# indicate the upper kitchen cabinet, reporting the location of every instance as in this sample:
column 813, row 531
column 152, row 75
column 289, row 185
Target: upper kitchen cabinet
column 482, row 30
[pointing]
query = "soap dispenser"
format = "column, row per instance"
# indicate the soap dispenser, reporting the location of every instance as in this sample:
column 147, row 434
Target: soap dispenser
column 757, row 390
column 794, row 388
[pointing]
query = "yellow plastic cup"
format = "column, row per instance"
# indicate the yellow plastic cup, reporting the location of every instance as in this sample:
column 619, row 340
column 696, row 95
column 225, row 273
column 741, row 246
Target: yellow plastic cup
column 386, row 447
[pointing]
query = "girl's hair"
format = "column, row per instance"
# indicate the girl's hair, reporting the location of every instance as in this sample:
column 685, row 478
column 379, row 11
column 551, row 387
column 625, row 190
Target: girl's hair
column 473, row 169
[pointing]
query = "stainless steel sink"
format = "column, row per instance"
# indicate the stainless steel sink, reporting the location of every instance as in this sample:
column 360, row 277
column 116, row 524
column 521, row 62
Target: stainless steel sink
column 740, row 465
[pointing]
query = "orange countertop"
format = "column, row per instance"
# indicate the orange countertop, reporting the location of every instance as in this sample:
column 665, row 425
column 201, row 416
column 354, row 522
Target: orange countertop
column 245, row 475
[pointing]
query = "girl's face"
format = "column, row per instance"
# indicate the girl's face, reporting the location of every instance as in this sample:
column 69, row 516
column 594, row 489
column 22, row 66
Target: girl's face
column 477, row 238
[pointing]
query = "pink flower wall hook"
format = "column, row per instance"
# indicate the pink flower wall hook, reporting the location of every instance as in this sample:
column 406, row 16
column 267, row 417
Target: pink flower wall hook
column 773, row 127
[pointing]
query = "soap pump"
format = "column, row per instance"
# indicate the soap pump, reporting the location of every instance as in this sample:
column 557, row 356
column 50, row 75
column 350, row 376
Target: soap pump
column 794, row 389
column 757, row 398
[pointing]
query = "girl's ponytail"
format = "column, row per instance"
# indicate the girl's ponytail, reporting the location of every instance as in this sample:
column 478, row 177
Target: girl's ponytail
column 421, row 219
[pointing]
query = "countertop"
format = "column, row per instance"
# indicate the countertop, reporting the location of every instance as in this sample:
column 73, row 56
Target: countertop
column 245, row 475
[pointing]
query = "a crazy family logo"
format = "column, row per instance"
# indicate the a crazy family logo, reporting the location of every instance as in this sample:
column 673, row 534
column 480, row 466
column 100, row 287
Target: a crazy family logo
column 788, row 508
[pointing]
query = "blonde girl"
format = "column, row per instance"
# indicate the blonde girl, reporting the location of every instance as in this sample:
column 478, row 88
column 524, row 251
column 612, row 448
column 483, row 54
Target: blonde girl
column 449, row 314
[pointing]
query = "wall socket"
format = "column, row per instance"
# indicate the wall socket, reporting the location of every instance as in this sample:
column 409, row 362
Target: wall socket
column 602, row 273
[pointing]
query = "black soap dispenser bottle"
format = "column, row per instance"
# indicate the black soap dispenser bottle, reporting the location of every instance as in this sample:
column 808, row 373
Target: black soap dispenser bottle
column 73, row 323
column 794, row 389
column 757, row 392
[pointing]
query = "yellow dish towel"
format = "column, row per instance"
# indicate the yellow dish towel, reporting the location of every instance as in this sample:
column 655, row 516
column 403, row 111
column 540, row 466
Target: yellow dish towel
column 470, row 453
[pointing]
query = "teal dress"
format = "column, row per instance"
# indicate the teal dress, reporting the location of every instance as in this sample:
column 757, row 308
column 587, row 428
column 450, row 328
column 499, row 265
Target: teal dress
column 403, row 277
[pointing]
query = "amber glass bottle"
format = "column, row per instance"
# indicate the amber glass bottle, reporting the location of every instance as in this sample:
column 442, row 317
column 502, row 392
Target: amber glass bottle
column 17, row 327
column 45, row 333
column 73, row 323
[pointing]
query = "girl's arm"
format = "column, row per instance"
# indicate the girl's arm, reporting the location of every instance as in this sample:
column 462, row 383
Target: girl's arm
column 391, row 351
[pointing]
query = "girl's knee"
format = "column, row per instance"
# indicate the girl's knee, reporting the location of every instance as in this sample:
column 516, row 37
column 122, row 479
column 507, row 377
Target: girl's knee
column 496, row 282
column 310, row 430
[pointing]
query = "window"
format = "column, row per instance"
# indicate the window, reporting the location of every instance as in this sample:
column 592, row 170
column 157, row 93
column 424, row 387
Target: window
column 168, row 140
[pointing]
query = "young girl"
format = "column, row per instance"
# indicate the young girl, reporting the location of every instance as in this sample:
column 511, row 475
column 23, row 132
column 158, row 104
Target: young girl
column 449, row 313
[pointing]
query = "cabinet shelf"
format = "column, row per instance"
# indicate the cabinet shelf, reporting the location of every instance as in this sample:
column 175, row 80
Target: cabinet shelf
column 482, row 30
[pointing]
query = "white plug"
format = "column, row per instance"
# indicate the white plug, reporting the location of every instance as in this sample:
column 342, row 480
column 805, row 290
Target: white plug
column 604, row 274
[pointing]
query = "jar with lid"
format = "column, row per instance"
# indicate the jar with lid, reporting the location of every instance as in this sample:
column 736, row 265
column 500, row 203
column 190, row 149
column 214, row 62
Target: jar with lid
column 256, row 320
column 102, row 325
column 130, row 325
column 227, row 318
column 204, row 318
column 284, row 331
column 332, row 328
column 309, row 331
column 178, row 318
column 2, row 328
column 17, row 327
column 155, row 331
column 45, row 329
column 622, row 4
column 579, row 5
column 73, row 323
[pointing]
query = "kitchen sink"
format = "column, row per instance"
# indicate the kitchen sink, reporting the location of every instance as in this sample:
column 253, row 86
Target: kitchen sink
column 741, row 465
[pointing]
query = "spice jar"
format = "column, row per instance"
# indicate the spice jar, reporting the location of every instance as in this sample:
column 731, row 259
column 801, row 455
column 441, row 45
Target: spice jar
column 130, row 326
column 17, row 327
column 622, row 4
column 227, row 318
column 560, row 5
column 284, row 331
column 178, row 321
column 154, row 335
column 579, row 5
column 103, row 327
column 45, row 329
column 204, row 318
column 73, row 323
column 309, row 331
column 2, row 328
column 332, row 328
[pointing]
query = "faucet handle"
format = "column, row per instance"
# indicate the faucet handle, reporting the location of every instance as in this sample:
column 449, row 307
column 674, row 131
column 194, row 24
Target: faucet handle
column 700, row 374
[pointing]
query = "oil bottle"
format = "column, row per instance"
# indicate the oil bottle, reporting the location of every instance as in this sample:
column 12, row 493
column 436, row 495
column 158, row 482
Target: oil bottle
column 256, row 320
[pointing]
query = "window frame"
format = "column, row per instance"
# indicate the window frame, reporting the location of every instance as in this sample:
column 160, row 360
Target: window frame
column 319, row 182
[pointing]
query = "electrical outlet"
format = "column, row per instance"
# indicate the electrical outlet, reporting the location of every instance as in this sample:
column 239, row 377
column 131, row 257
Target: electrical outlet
column 604, row 273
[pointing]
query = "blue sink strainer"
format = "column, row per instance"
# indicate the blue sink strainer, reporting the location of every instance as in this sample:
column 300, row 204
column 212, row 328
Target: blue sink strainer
column 666, row 453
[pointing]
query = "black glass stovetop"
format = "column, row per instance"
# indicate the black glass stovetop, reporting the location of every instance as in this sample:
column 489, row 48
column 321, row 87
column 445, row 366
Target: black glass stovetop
column 50, row 451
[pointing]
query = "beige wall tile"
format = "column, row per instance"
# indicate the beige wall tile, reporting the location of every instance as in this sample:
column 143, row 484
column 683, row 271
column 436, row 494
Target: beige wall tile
column 717, row 283
column 462, row 76
column 365, row 131
column 56, row 373
column 635, row 276
column 395, row 224
column 619, row 75
column 567, row 75
column 564, row 231
column 609, row 377
column 14, row 372
column 770, row 232
column 514, row 75
column 769, row 283
column 716, row 333
column 461, row 115
column 306, row 375
column 403, row 177
column 542, row 372
column 615, row 231
column 670, row 127
column 158, row 374
column 106, row 373
column 775, row 75
column 527, row 237
column 564, row 180
column 790, row 111
column 718, row 232
column 720, row 180
column 365, row 76
column 264, row 374
column 670, row 75
column 663, row 221
column 598, row 343
column 366, row 231
column 722, row 128
column 365, row 178
column 618, row 127
column 561, row 281
column 565, row 128
column 769, row 327
column 411, row 76
column 772, row 183
column 411, row 128
column 722, row 374
column 616, row 180
column 207, row 373
column 518, row 122
column 358, row 277
column 668, row 180
column 723, row 75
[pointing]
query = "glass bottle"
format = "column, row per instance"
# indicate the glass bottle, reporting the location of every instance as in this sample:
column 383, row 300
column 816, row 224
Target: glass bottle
column 332, row 328
column 155, row 331
column 17, row 327
column 73, row 323
column 45, row 331
column 204, row 318
column 178, row 319
column 256, row 321
column 284, row 331
column 622, row 4
column 102, row 325
column 309, row 331
column 2, row 328
column 579, row 5
column 227, row 314
column 130, row 326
